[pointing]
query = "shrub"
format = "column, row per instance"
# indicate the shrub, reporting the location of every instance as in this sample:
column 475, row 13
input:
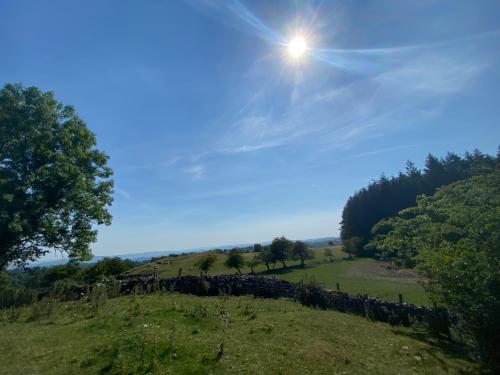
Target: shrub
column 41, row 310
column 16, row 297
column 311, row 293
column 98, row 297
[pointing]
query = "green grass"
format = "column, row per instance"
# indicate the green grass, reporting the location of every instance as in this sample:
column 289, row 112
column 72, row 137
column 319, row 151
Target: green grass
column 181, row 334
column 365, row 276
column 169, row 266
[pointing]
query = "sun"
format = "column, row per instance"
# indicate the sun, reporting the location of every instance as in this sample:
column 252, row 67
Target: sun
column 297, row 47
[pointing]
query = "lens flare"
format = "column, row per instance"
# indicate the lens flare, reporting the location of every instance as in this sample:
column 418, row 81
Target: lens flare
column 297, row 47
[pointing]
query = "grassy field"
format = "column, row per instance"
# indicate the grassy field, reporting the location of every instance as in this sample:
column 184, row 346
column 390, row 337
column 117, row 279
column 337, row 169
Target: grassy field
column 365, row 276
column 181, row 334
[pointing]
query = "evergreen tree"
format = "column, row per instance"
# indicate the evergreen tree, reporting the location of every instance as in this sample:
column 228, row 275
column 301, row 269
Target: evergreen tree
column 385, row 197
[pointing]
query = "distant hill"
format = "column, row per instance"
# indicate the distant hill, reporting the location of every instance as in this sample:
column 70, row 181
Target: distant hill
column 139, row 257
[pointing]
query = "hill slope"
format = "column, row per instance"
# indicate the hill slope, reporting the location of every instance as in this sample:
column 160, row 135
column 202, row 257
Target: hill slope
column 172, row 334
column 364, row 276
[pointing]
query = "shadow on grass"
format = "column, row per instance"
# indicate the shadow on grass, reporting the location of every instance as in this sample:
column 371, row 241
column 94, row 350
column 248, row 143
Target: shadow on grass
column 449, row 348
column 283, row 270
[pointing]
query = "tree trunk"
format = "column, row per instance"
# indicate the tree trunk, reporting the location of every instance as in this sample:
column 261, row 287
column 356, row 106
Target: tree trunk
column 283, row 261
column 302, row 262
column 239, row 271
column 267, row 265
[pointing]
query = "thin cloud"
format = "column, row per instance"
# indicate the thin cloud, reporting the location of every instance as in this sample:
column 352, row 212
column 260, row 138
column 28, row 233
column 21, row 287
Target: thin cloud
column 195, row 171
column 123, row 193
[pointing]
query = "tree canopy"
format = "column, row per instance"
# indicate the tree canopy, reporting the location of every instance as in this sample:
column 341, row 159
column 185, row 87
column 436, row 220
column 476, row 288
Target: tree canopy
column 206, row 262
column 387, row 196
column 454, row 238
column 235, row 260
column 55, row 185
column 280, row 249
column 301, row 251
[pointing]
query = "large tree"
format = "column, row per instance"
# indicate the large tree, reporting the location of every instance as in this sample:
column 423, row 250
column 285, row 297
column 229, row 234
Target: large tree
column 55, row 185
column 387, row 196
column 454, row 238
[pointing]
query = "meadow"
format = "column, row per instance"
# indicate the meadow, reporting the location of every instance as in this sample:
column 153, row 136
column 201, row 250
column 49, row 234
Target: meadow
column 359, row 275
column 172, row 334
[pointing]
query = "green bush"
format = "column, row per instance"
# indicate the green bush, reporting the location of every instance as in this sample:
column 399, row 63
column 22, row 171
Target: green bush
column 16, row 297
column 453, row 237
column 311, row 293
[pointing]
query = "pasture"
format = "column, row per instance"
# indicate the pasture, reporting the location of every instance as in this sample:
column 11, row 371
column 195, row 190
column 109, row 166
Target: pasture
column 172, row 334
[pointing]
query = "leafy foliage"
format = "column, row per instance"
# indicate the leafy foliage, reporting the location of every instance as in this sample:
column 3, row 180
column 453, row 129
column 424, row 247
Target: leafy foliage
column 257, row 248
column 387, row 196
column 107, row 268
column 301, row 251
column 454, row 238
column 280, row 249
column 311, row 293
column 255, row 260
column 54, row 184
column 235, row 260
column 267, row 257
column 206, row 262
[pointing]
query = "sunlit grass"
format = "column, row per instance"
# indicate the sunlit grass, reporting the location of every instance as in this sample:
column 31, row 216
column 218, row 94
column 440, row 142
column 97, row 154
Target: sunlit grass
column 354, row 276
column 174, row 334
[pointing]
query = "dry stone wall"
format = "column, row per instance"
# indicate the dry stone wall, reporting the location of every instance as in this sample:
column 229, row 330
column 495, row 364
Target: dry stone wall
column 373, row 308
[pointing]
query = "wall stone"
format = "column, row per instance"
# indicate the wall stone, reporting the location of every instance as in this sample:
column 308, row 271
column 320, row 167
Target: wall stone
column 437, row 320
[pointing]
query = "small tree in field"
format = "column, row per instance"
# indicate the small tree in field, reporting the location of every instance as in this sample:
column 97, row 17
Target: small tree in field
column 235, row 260
column 301, row 251
column 352, row 245
column 206, row 262
column 266, row 257
column 257, row 248
column 280, row 249
column 254, row 261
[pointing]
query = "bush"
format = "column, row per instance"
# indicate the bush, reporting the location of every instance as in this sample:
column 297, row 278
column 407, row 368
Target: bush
column 353, row 245
column 43, row 309
column 454, row 239
column 311, row 293
column 16, row 297
column 107, row 268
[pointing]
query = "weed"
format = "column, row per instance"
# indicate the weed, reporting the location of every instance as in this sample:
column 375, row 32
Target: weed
column 98, row 297
column 197, row 312
column 41, row 310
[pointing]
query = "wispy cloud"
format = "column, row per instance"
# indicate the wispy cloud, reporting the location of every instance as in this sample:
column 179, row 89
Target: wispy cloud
column 196, row 171
column 123, row 193
column 399, row 86
column 127, row 196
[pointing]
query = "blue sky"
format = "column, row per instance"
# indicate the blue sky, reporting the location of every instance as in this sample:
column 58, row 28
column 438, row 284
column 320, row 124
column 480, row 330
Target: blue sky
column 217, row 135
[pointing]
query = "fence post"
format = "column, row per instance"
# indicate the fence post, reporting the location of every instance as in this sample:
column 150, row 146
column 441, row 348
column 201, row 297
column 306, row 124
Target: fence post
column 338, row 286
column 400, row 299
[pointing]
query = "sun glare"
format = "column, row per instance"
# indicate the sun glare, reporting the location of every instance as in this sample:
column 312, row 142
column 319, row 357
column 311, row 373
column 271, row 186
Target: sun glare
column 297, row 46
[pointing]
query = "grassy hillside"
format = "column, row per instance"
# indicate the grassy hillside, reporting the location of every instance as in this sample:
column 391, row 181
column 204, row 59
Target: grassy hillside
column 172, row 334
column 354, row 276
column 169, row 266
